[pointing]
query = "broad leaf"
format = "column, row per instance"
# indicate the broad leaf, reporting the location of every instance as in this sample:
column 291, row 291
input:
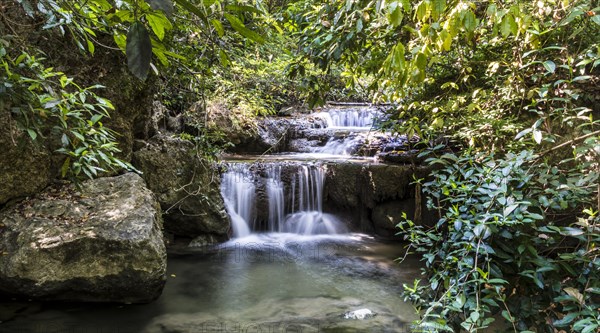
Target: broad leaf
column 192, row 9
column 550, row 66
column 242, row 8
column 218, row 27
column 242, row 30
column 437, row 8
column 138, row 50
column 159, row 23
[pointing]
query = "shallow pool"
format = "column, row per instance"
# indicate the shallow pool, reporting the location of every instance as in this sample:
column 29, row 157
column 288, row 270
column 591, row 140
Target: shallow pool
column 262, row 283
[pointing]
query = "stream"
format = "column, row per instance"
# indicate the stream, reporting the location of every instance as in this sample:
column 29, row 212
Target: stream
column 291, row 265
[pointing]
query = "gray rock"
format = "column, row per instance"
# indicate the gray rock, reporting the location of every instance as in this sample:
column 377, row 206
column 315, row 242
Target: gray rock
column 102, row 243
column 187, row 187
column 25, row 166
column 204, row 240
column 387, row 215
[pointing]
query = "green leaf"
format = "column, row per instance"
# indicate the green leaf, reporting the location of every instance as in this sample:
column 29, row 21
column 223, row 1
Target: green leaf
column 96, row 118
column 242, row 8
column 438, row 8
column 91, row 47
column 165, row 5
column 508, row 25
column 550, row 66
column 596, row 19
column 395, row 15
column 218, row 27
column 359, row 25
column 191, row 8
column 224, row 59
column 510, row 209
column 470, row 22
column 242, row 30
column 65, row 167
column 138, row 50
column 566, row 320
column 32, row 133
column 422, row 12
column 159, row 23
column 27, row 7
column 591, row 327
column 569, row 231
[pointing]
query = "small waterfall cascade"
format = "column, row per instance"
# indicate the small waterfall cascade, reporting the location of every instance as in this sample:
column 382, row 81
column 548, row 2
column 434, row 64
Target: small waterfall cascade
column 239, row 192
column 275, row 194
column 341, row 146
column 353, row 117
column 293, row 207
column 307, row 217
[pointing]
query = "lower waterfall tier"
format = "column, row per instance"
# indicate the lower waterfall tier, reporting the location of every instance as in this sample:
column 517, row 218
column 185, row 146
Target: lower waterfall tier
column 311, row 198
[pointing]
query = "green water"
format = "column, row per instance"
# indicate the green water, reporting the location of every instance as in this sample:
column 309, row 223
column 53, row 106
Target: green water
column 263, row 283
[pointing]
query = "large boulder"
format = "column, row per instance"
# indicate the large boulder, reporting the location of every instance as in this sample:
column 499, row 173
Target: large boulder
column 187, row 187
column 100, row 243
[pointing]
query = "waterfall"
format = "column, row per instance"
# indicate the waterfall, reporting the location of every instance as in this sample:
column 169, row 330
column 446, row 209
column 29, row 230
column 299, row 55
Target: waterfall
column 308, row 217
column 341, row 146
column 275, row 194
column 349, row 117
column 239, row 192
column 303, row 213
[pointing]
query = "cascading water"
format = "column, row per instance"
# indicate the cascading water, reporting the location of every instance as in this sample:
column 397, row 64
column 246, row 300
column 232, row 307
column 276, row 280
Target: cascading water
column 275, row 194
column 304, row 214
column 340, row 146
column 345, row 119
column 349, row 117
column 239, row 192
column 294, row 205
column 308, row 217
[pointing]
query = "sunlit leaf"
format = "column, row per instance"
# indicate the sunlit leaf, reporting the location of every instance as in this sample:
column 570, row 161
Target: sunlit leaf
column 242, row 30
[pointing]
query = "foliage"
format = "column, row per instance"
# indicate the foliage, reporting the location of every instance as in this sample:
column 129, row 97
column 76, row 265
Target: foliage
column 140, row 28
column 517, row 80
column 41, row 98
column 499, row 249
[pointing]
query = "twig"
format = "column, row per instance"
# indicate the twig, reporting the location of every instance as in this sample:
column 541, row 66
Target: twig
column 583, row 137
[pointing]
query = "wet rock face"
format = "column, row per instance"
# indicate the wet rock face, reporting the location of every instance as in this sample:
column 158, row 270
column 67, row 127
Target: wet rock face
column 25, row 166
column 282, row 134
column 373, row 196
column 187, row 187
column 102, row 243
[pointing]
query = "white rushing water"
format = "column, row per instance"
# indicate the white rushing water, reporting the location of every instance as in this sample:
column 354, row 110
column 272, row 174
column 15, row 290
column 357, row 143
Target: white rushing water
column 340, row 146
column 358, row 120
column 239, row 192
column 302, row 212
column 275, row 194
column 352, row 117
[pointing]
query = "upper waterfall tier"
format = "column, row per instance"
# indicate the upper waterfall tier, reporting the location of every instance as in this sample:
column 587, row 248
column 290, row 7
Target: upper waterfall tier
column 350, row 117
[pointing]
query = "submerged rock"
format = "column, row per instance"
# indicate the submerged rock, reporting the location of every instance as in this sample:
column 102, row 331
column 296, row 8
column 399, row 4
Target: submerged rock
column 187, row 187
column 102, row 243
